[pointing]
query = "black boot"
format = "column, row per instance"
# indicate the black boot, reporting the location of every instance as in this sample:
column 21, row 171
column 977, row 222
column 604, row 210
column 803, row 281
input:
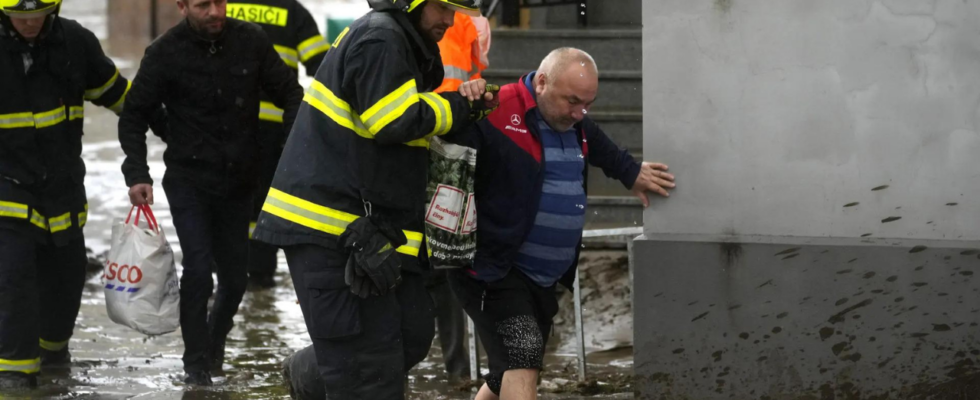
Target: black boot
column 58, row 358
column 199, row 378
column 17, row 380
column 217, row 355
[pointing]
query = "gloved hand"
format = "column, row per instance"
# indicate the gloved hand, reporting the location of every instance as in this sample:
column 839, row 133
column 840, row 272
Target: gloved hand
column 480, row 109
column 372, row 244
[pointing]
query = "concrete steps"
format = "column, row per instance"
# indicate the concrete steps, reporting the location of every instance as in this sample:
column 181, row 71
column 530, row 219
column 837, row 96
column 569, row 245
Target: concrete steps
column 613, row 49
column 618, row 90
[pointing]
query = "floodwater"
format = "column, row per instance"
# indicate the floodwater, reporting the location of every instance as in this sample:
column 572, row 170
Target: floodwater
column 115, row 362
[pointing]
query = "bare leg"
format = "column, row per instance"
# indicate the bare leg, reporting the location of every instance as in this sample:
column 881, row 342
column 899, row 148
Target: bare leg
column 486, row 394
column 519, row 384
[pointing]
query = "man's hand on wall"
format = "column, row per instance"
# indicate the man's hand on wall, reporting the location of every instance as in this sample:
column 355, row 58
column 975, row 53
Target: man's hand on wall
column 654, row 178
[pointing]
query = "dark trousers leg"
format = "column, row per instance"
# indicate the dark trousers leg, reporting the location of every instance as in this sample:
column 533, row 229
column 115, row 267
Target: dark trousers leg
column 19, row 304
column 61, row 292
column 262, row 260
column 192, row 219
column 451, row 323
column 360, row 353
column 229, row 221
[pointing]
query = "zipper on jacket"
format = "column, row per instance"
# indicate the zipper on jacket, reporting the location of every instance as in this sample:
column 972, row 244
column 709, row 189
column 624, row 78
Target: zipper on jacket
column 483, row 299
column 213, row 50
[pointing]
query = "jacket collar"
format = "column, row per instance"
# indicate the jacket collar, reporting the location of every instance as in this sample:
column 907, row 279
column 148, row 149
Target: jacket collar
column 524, row 96
column 428, row 49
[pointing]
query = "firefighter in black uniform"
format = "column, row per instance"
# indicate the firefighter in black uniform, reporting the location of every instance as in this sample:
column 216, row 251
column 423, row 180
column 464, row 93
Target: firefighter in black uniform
column 360, row 148
column 297, row 40
column 208, row 71
column 48, row 67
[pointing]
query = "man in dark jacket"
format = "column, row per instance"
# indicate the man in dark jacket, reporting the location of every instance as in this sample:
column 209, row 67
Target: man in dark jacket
column 208, row 71
column 297, row 40
column 49, row 66
column 360, row 149
column 533, row 154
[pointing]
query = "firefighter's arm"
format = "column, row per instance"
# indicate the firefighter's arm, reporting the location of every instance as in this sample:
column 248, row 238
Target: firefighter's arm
column 310, row 44
column 279, row 82
column 390, row 107
column 143, row 105
column 104, row 85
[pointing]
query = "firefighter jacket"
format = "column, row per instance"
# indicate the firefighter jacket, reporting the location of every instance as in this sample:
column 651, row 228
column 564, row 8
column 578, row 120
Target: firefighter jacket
column 44, row 87
column 293, row 33
column 211, row 91
column 460, row 49
column 361, row 138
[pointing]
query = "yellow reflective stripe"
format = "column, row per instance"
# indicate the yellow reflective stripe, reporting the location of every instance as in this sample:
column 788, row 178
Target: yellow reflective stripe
column 53, row 346
column 324, row 219
column 336, row 42
column 60, row 222
column 76, row 112
column 16, row 120
column 95, row 94
column 312, row 46
column 269, row 112
column 25, row 366
column 260, row 14
column 415, row 3
column 83, row 216
column 311, row 215
column 117, row 107
column 38, row 220
column 334, row 108
column 390, row 107
column 452, row 72
column 289, row 56
column 49, row 118
column 251, row 229
column 443, row 112
column 13, row 210
column 413, row 245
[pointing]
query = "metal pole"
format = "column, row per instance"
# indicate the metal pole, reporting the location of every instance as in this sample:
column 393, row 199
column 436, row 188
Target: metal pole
column 579, row 328
column 474, row 351
column 154, row 30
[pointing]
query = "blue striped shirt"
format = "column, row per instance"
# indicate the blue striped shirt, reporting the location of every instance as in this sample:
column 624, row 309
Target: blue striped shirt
column 549, row 249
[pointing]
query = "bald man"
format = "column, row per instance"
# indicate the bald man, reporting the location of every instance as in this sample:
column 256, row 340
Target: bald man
column 531, row 201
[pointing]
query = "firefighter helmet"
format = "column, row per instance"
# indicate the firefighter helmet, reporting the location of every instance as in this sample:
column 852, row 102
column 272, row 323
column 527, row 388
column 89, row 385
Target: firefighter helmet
column 29, row 8
column 468, row 7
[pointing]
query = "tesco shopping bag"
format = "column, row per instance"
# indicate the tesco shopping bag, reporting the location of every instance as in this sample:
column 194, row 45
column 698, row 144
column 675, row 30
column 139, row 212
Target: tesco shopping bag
column 140, row 277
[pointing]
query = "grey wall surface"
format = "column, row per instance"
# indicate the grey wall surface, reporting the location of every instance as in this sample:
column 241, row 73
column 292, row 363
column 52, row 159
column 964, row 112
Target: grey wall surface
column 831, row 320
column 776, row 114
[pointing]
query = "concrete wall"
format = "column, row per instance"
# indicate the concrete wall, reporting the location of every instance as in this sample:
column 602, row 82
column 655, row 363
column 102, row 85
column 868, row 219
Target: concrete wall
column 819, row 244
column 777, row 114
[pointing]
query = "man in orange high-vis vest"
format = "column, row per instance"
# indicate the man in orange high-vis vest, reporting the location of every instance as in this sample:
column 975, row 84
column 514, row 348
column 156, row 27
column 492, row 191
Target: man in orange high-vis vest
column 461, row 53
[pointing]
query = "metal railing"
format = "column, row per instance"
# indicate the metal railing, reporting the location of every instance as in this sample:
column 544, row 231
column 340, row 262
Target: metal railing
column 630, row 233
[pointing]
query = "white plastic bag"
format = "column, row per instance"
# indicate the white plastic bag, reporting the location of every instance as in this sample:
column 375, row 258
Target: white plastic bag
column 140, row 277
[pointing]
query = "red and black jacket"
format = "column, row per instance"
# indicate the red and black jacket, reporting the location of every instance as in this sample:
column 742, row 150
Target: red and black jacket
column 510, row 176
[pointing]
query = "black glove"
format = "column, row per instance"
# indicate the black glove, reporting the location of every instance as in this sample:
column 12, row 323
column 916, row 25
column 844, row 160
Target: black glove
column 372, row 244
column 479, row 109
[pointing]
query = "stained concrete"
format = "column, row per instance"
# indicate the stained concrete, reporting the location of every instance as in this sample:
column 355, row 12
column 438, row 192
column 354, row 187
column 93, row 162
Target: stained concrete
column 757, row 318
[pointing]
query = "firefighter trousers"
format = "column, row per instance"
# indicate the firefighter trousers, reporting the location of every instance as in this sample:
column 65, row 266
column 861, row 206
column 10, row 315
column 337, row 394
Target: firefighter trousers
column 364, row 347
column 40, row 293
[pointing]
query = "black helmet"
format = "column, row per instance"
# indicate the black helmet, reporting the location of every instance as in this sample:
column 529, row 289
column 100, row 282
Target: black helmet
column 468, row 7
column 29, row 8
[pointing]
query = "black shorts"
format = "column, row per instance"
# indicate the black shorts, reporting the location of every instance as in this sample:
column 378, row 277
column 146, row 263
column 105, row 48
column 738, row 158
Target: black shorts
column 513, row 318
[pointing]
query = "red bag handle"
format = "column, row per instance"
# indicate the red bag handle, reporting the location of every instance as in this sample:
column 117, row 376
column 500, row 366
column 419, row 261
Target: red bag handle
column 148, row 213
column 151, row 221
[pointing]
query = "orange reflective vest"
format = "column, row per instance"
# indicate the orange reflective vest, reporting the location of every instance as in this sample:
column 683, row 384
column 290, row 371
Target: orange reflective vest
column 460, row 49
